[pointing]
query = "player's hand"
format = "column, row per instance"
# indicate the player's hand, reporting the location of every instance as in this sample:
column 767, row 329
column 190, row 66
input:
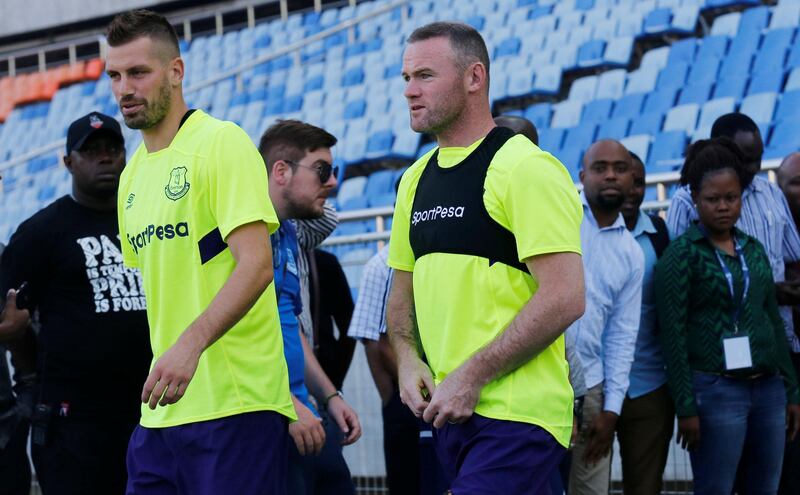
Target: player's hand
column 169, row 378
column 416, row 384
column 454, row 401
column 792, row 421
column 13, row 320
column 688, row 432
column 599, row 437
column 346, row 418
column 307, row 432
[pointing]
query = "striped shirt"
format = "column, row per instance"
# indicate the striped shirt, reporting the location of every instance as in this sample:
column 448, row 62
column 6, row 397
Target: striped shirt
column 765, row 216
column 605, row 335
column 310, row 234
column 369, row 315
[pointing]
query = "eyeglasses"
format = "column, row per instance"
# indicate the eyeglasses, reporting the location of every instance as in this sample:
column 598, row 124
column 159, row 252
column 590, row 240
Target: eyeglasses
column 324, row 170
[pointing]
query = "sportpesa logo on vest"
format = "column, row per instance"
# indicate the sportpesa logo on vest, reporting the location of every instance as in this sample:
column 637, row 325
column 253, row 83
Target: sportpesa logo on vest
column 437, row 213
column 160, row 232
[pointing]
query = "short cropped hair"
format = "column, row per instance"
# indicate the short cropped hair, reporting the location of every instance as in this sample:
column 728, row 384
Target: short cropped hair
column 135, row 24
column 711, row 155
column 466, row 41
column 290, row 140
column 729, row 124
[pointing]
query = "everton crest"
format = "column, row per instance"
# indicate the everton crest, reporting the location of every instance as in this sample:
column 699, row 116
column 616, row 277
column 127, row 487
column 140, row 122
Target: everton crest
column 177, row 187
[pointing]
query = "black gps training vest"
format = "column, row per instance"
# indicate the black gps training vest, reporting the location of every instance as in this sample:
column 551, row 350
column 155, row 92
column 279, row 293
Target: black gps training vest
column 448, row 214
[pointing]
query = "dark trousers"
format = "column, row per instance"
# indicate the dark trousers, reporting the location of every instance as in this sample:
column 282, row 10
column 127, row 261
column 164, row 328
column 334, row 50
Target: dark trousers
column 790, row 476
column 15, row 469
column 644, row 430
column 324, row 474
column 82, row 457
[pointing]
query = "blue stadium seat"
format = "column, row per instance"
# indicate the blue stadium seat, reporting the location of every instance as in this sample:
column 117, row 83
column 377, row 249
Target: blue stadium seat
column 293, row 103
column 580, row 137
column 784, row 136
column 583, row 89
column 380, row 182
column 793, row 82
column 591, row 53
column 353, row 77
column 379, row 144
column 357, row 203
column 597, row 111
column 642, row 80
column 777, row 39
column 682, row 117
column 566, row 114
column 726, row 24
column 682, row 51
column 639, row 144
column 571, row 159
column 760, row 107
column 788, row 106
column 476, row 21
column 754, row 20
column 696, row 93
column 660, row 101
column 539, row 114
column 611, row 84
column 704, row 71
column 769, row 60
column 520, row 81
column 714, row 109
column 351, row 188
column 770, row 82
column 731, row 86
column 648, row 123
column 629, row 106
column 684, row 19
column 736, row 65
column 785, row 14
column 507, row 47
column 712, row 47
column 406, row 143
column 658, row 20
column 355, row 109
column 616, row 128
column 551, row 139
column 794, row 56
column 314, row 83
column 548, row 80
column 387, row 199
column 673, row 75
column 618, row 51
column 666, row 146
column 584, row 4
column 744, row 43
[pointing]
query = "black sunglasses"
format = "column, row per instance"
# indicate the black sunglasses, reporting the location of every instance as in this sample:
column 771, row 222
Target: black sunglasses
column 324, row 170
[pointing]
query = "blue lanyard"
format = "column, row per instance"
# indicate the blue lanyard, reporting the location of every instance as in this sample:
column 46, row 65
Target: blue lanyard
column 729, row 278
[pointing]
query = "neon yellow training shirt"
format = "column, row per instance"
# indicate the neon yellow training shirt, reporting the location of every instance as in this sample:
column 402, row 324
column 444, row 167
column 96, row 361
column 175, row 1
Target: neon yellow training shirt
column 176, row 206
column 462, row 302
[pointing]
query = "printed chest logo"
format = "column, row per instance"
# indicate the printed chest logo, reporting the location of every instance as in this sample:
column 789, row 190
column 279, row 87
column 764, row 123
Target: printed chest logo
column 178, row 186
column 437, row 213
column 129, row 202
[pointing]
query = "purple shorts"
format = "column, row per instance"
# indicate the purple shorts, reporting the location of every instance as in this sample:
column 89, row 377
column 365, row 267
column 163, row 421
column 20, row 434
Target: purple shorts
column 487, row 455
column 244, row 454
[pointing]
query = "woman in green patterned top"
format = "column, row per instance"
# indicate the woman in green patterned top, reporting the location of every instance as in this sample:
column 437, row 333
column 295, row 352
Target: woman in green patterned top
column 727, row 357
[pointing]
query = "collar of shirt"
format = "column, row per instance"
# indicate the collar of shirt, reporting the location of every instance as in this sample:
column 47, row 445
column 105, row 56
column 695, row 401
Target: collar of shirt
column 644, row 225
column 619, row 223
column 694, row 234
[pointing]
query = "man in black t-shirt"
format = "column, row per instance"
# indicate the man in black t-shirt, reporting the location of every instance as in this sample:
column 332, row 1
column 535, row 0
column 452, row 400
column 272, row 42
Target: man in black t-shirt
column 93, row 349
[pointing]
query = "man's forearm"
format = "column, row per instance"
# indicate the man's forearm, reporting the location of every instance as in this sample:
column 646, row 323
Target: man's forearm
column 236, row 297
column 401, row 320
column 318, row 383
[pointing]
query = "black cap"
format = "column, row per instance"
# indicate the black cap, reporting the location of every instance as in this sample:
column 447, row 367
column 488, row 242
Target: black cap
column 89, row 124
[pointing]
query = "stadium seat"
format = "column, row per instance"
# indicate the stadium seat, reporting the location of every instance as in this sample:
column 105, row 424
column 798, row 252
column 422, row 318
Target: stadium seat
column 639, row 144
column 641, row 81
column 351, row 188
column 660, row 101
column 648, row 123
column 726, row 24
column 571, row 159
column 788, row 106
column 380, row 182
column 379, row 144
column 520, row 82
column 629, row 106
column 616, row 128
column 673, row 75
column 597, row 111
column 760, row 107
column 539, row 114
column 784, row 136
column 733, row 87
column 618, row 51
column 566, row 114
column 754, row 20
column 583, row 89
column 682, row 51
column 744, row 43
column 507, row 47
column 683, row 118
column 696, row 93
column 713, row 109
column 769, row 60
column 770, row 82
column 551, row 139
column 355, row 109
column 793, row 82
column 387, row 199
column 786, row 14
column 591, row 53
column 580, row 137
column 656, row 59
column 658, row 20
column 667, row 146
column 777, row 39
column 684, row 19
column 704, row 71
column 611, row 84
column 406, row 143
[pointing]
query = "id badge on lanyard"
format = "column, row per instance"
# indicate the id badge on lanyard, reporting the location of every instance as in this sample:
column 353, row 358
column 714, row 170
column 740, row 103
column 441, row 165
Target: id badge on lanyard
column 736, row 348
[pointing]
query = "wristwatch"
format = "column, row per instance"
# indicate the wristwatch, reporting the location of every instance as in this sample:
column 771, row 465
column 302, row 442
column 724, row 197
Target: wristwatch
column 328, row 398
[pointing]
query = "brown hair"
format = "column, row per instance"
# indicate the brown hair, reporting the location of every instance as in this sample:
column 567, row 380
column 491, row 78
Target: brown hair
column 136, row 24
column 466, row 41
column 290, row 140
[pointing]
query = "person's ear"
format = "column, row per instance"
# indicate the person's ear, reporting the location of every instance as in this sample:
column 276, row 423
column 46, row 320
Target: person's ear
column 281, row 172
column 177, row 69
column 68, row 163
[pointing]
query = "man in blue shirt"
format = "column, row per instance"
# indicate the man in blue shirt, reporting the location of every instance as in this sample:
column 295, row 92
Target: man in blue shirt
column 605, row 335
column 645, row 426
column 301, row 176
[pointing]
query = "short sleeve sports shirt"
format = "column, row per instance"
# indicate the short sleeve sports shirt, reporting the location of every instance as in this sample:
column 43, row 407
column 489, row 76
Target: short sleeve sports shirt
column 463, row 302
column 177, row 207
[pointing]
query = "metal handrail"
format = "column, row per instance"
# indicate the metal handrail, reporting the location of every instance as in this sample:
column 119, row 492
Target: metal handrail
column 233, row 72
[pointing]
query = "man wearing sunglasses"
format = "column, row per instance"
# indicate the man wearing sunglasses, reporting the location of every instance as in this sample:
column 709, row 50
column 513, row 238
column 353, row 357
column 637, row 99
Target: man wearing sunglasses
column 301, row 177
column 92, row 342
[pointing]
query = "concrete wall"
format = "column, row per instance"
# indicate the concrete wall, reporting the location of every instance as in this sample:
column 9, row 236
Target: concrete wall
column 19, row 16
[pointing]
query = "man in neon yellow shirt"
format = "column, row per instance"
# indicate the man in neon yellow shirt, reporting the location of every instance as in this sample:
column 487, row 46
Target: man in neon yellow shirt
column 485, row 244
column 194, row 219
